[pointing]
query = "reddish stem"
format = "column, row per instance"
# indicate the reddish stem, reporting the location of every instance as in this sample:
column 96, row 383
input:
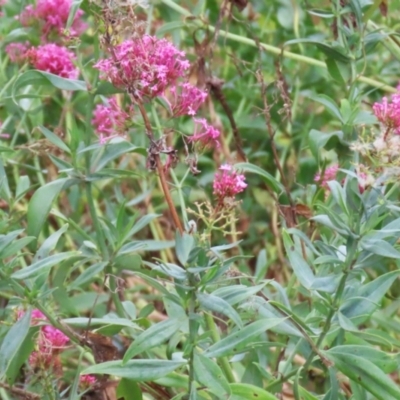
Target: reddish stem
column 161, row 173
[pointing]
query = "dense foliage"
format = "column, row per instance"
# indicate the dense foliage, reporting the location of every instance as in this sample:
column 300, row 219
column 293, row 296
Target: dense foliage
column 199, row 199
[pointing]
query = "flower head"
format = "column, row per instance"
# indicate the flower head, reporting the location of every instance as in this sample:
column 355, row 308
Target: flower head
column 55, row 59
column 109, row 120
column 49, row 342
column 17, row 51
column 205, row 134
column 186, row 99
column 52, row 16
column 329, row 175
column 87, row 380
column 228, row 182
column 145, row 66
column 388, row 112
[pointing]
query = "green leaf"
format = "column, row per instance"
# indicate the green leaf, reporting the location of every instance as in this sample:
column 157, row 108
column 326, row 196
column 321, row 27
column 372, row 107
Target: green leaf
column 72, row 12
column 254, row 169
column 41, row 265
column 53, row 138
column 183, row 246
column 300, row 267
column 137, row 370
column 209, row 374
column 330, row 51
column 129, row 389
column 365, row 373
column 50, row 243
column 318, row 140
column 169, row 27
column 242, row 338
column 83, row 322
column 115, row 149
column 244, row 391
column 88, row 274
column 41, row 78
column 216, row 304
column 237, row 293
column 329, row 103
column 13, row 341
column 380, row 247
column 41, row 203
column 388, row 363
column 368, row 296
column 16, row 246
column 338, row 70
column 142, row 222
column 153, row 336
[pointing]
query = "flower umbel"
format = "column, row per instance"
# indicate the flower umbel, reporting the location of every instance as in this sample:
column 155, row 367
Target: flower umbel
column 388, row 112
column 17, row 51
column 55, row 59
column 50, row 342
column 145, row 66
column 329, row 175
column 205, row 134
column 109, row 120
column 228, row 182
column 87, row 380
column 52, row 16
column 186, row 99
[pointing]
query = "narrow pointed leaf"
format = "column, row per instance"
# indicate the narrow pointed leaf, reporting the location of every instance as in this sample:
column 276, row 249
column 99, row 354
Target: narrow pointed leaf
column 137, row 370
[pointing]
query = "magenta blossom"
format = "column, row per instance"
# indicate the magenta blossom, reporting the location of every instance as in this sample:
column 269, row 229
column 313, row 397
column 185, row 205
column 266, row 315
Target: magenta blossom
column 145, row 66
column 329, row 175
column 17, row 51
column 186, row 99
column 388, row 112
column 87, row 380
column 49, row 342
column 228, row 182
column 52, row 16
column 205, row 134
column 55, row 59
column 109, row 120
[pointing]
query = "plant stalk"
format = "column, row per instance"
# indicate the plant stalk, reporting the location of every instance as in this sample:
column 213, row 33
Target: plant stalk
column 226, row 367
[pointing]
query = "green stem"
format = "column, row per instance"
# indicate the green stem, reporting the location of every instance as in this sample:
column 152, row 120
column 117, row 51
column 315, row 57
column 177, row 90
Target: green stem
column 193, row 327
column 226, row 367
column 270, row 49
column 328, row 322
column 178, row 186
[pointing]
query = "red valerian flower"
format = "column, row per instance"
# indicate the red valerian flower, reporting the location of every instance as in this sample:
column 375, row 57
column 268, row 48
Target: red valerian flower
column 57, row 60
column 109, row 120
column 205, row 134
column 186, row 99
column 388, row 112
column 228, row 182
column 52, row 16
column 144, row 66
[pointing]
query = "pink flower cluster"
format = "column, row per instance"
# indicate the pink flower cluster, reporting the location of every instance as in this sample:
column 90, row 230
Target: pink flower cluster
column 87, row 380
column 388, row 112
column 52, row 16
column 55, row 59
column 145, row 66
column 17, row 51
column 205, row 134
column 186, row 99
column 228, row 182
column 329, row 175
column 49, row 342
column 109, row 120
